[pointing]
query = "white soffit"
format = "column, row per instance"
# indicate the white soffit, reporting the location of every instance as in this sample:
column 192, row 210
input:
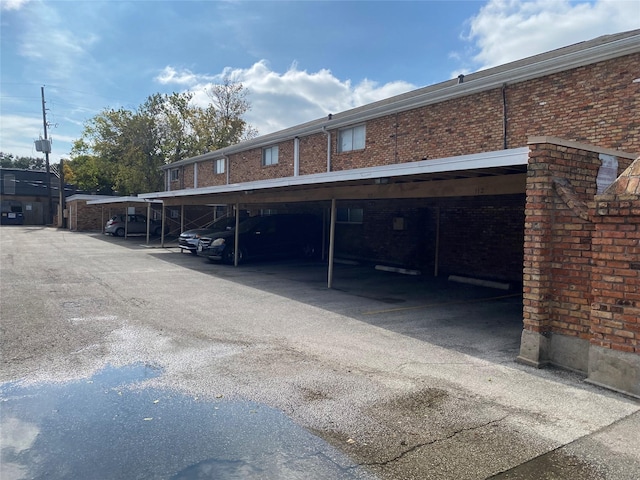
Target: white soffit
column 500, row 158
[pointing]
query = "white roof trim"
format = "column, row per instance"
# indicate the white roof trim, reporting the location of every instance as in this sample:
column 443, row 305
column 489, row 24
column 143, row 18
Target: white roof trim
column 85, row 196
column 137, row 199
column 500, row 158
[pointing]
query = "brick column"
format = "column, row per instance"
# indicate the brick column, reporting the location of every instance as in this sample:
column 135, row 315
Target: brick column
column 534, row 343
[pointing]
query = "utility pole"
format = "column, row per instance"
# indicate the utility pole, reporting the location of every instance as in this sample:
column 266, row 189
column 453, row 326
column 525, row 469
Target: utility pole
column 47, row 149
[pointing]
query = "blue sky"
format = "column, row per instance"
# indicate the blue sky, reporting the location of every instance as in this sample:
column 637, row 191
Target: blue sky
column 299, row 60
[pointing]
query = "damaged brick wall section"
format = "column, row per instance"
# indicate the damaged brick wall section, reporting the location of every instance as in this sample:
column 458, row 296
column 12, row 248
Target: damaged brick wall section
column 581, row 275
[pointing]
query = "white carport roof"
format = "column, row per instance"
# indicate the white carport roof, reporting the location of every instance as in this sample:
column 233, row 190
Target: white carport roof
column 495, row 159
column 128, row 199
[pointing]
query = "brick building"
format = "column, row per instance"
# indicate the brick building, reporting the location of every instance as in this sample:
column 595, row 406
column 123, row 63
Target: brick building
column 30, row 198
column 506, row 175
column 82, row 216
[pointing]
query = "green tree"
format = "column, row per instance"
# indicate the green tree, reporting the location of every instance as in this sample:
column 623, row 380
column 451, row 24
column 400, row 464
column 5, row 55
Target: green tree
column 125, row 149
column 224, row 117
column 89, row 173
column 8, row 160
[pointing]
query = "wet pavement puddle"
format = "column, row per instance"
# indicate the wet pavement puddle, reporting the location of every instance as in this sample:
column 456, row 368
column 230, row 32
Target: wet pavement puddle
column 107, row 427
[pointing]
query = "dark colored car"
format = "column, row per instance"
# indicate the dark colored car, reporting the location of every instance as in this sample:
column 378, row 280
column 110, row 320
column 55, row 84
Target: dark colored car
column 135, row 224
column 189, row 239
column 266, row 237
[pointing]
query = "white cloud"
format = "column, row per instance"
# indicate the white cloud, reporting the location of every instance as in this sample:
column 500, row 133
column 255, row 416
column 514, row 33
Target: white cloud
column 281, row 100
column 47, row 40
column 170, row 75
column 18, row 134
column 508, row 30
column 12, row 4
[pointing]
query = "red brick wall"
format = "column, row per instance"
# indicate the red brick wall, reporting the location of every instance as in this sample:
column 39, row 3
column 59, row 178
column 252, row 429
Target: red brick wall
column 207, row 177
column 474, row 232
column 558, row 256
column 313, row 154
column 595, row 104
column 187, row 175
column 483, row 237
column 247, row 166
column 83, row 217
column 615, row 281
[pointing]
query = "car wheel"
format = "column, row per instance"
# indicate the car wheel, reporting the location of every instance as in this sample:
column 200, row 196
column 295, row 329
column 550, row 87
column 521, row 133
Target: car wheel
column 229, row 256
column 120, row 232
column 194, row 252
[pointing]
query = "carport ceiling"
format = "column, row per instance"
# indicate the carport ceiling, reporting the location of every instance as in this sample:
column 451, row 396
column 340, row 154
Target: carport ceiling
column 467, row 183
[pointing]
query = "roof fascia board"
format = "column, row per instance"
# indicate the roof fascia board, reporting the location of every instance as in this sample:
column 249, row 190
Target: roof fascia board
column 138, row 199
column 81, row 196
column 500, row 158
column 544, row 67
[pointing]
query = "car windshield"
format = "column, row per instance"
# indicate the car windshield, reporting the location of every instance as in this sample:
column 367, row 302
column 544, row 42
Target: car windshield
column 245, row 226
column 249, row 223
column 222, row 223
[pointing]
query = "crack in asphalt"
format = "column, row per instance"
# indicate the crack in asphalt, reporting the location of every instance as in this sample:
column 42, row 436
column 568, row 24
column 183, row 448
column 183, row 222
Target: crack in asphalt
column 420, row 445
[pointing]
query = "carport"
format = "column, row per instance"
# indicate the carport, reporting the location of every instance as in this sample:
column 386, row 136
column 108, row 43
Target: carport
column 124, row 203
column 484, row 174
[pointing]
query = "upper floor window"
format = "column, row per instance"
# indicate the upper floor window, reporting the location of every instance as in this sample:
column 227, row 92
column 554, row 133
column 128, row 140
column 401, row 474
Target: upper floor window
column 270, row 156
column 175, row 174
column 351, row 138
column 218, row 165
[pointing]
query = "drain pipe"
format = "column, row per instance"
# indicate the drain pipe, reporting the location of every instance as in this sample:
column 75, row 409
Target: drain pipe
column 328, row 134
column 504, row 116
column 296, row 156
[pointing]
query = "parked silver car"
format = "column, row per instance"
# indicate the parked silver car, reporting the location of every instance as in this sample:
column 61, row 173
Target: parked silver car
column 189, row 239
column 135, row 224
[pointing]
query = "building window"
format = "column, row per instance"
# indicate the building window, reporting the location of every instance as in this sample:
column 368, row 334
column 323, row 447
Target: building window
column 349, row 215
column 9, row 184
column 218, row 165
column 175, row 174
column 270, row 156
column 351, row 139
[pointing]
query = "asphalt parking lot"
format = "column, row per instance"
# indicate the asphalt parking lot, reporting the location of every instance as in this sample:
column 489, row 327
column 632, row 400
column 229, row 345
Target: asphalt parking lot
column 409, row 377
